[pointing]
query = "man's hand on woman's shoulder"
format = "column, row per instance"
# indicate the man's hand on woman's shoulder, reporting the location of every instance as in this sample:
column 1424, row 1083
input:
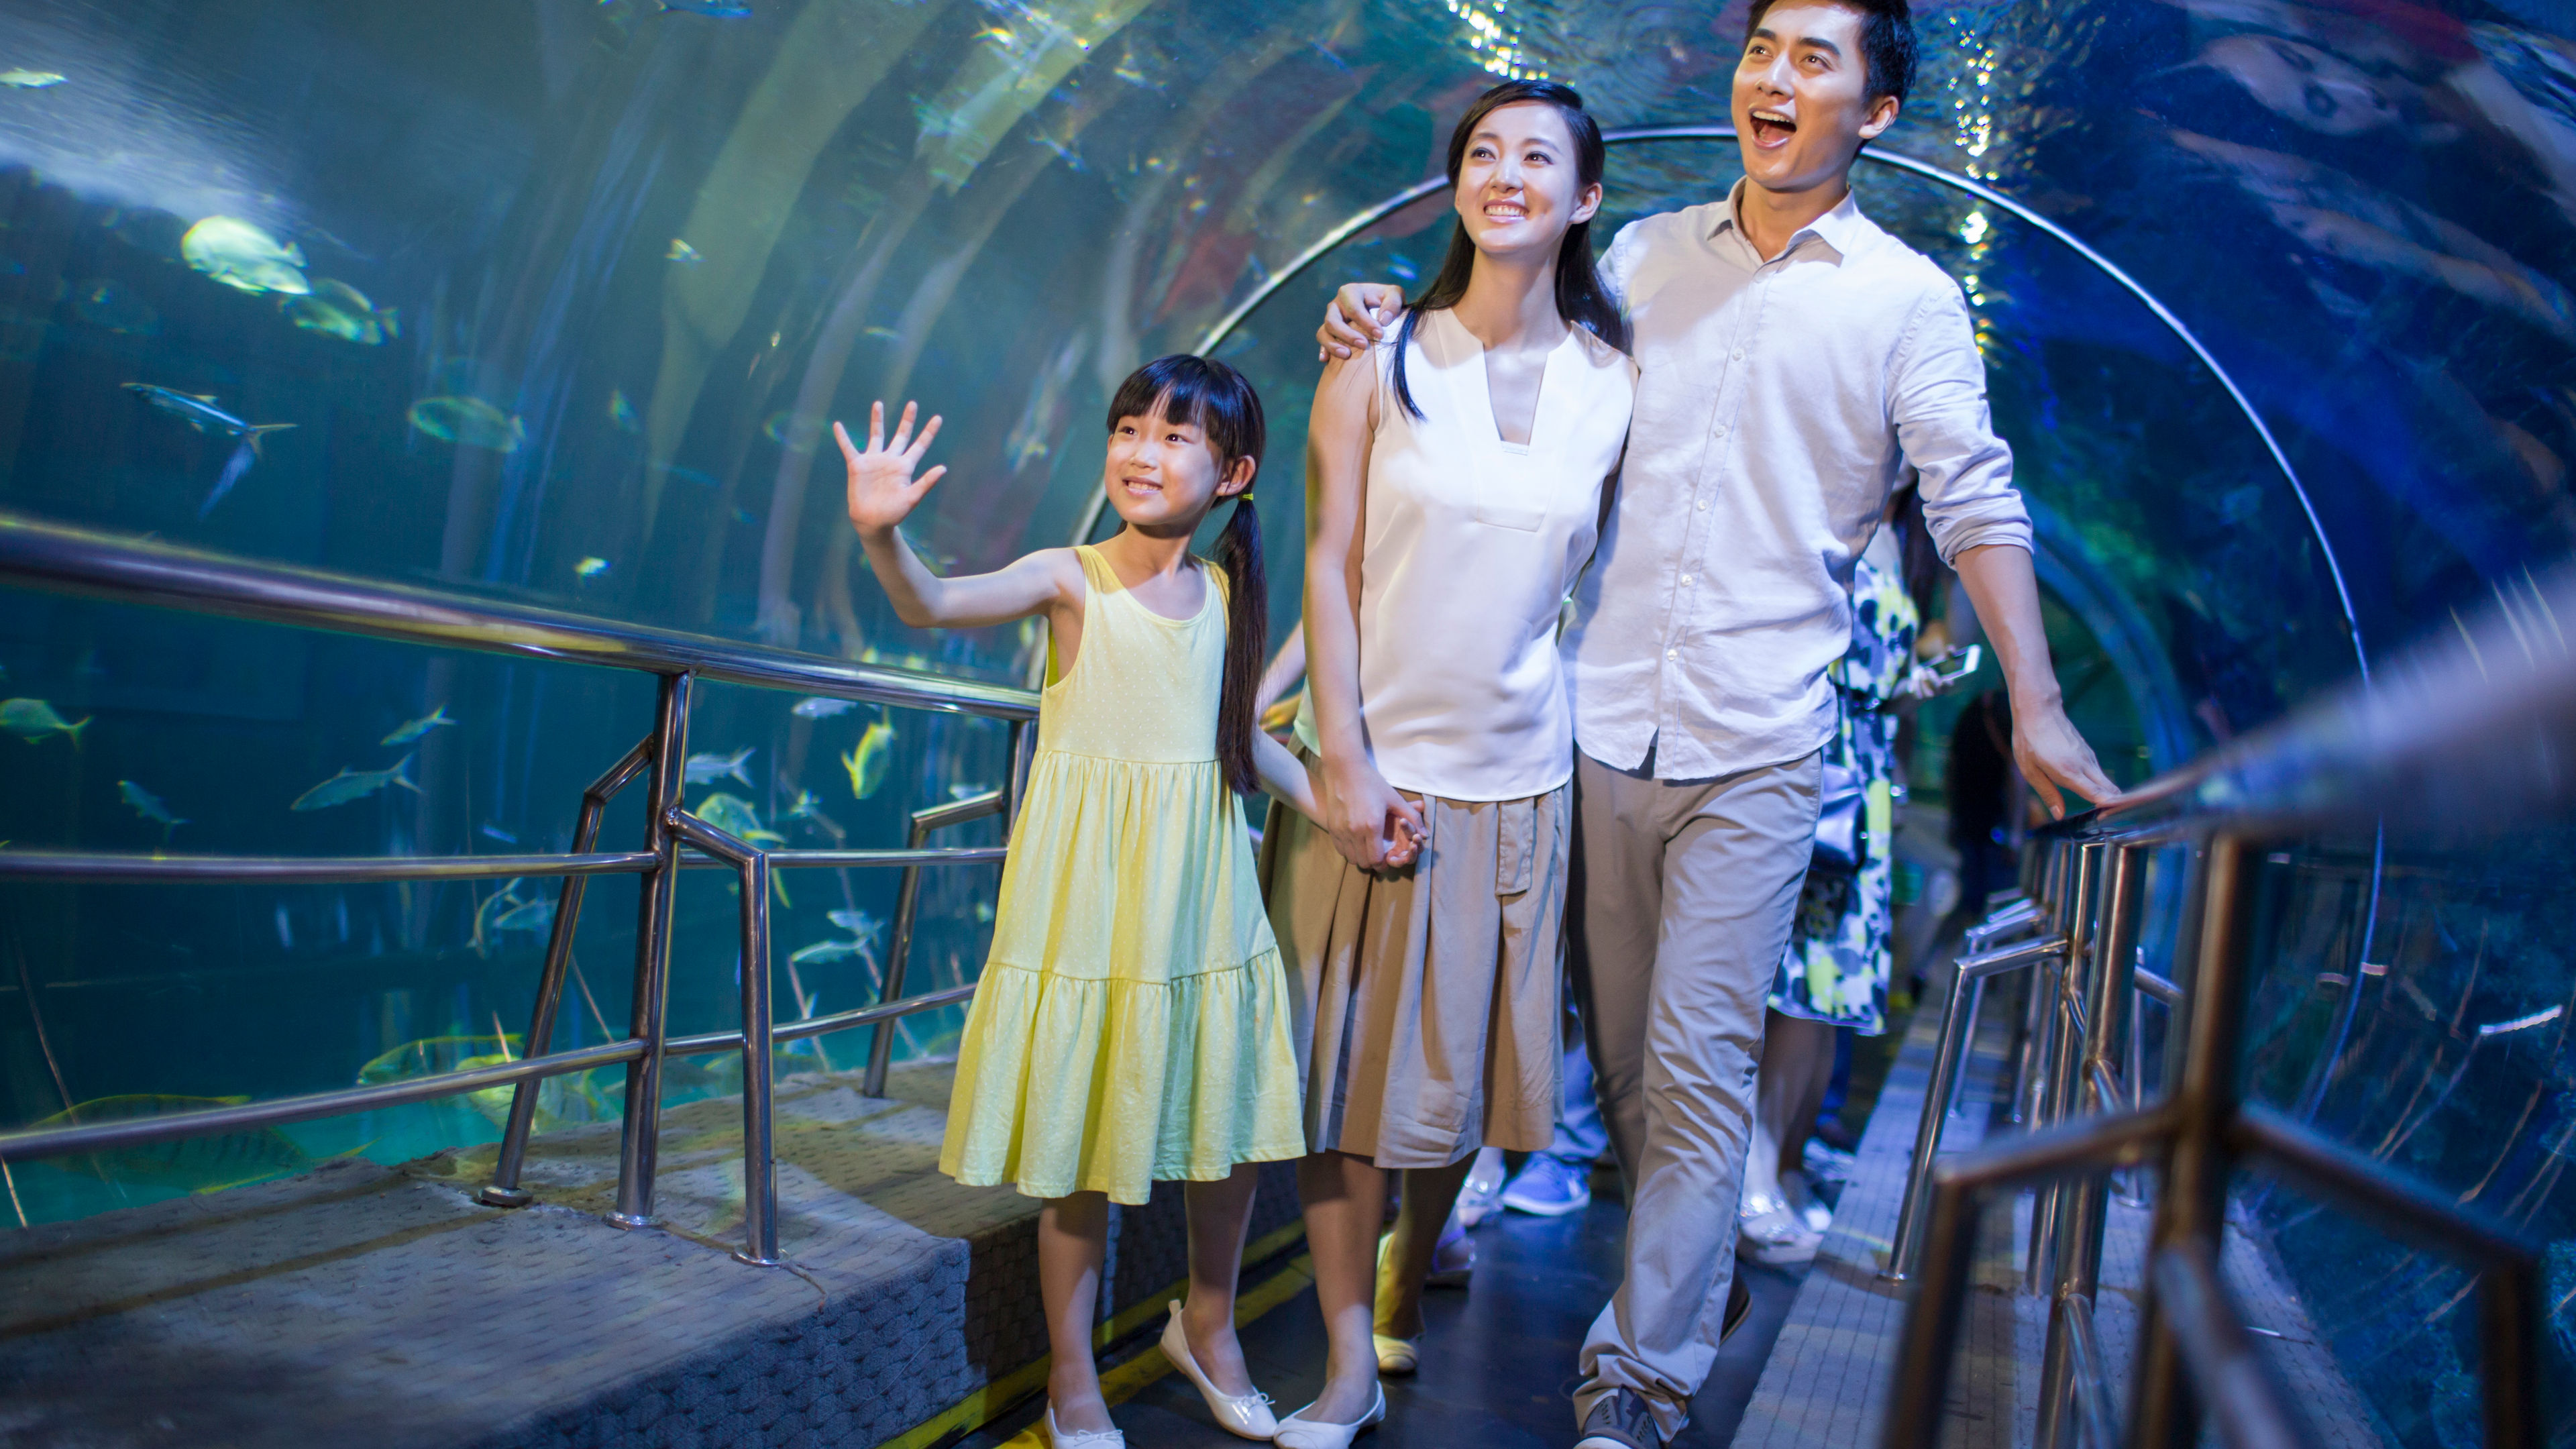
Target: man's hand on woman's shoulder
column 1357, row 318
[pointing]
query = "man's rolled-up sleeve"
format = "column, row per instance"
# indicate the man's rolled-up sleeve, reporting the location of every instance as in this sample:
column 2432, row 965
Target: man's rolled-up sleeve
column 1937, row 398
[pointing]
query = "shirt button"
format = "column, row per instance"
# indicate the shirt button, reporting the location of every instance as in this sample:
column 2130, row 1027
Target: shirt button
column 1739, row 354
column 1672, row 654
column 1721, row 427
column 1703, row 505
column 1685, row 578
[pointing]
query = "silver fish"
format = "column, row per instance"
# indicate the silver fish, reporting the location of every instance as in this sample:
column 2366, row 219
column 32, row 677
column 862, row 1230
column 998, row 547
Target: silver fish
column 243, row 257
column 803, row 808
column 720, row 9
column 821, row 708
column 590, row 568
column 829, row 951
column 198, row 411
column 470, row 421
column 534, row 915
column 487, row 916
column 734, row 816
column 435, row 719
column 707, row 769
column 33, row 719
column 867, row 764
column 350, row 785
column 149, row 806
column 30, row 80
column 683, row 253
column 336, row 309
column 858, row 923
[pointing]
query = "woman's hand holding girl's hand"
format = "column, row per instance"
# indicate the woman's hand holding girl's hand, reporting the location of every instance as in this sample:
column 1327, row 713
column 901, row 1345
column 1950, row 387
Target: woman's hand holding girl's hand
column 883, row 491
column 1371, row 825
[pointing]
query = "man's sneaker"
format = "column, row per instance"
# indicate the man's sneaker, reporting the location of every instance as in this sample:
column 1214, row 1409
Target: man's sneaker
column 1827, row 1163
column 1770, row 1234
column 1549, row 1187
column 1481, row 1199
column 1620, row 1420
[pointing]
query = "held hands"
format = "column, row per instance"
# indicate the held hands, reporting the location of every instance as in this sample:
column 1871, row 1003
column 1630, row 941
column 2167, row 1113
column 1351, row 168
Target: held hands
column 1357, row 318
column 1373, row 827
column 883, row 491
column 2052, row 756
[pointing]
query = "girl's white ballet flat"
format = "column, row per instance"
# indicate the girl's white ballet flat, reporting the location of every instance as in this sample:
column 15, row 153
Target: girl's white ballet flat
column 1247, row 1417
column 1299, row 1432
column 1082, row 1438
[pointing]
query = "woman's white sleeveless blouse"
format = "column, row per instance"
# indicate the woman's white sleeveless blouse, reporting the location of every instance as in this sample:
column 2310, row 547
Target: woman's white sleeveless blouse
column 1471, row 545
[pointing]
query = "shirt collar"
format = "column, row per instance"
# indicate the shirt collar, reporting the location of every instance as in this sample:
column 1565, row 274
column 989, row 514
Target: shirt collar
column 1839, row 229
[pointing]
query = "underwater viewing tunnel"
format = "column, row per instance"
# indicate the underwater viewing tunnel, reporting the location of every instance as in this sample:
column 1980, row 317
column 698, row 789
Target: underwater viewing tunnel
column 490, row 889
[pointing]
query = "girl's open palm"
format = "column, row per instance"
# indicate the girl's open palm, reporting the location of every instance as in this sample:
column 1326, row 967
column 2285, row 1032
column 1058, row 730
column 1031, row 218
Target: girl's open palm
column 883, row 491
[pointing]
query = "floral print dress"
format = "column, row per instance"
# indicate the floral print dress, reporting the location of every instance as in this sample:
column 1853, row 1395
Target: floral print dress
column 1837, row 966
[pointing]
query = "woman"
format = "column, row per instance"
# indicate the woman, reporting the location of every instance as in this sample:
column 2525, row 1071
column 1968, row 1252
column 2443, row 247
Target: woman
column 1835, row 972
column 1457, row 478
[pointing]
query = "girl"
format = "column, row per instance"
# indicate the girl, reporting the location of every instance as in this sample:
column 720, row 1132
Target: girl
column 1133, row 1021
column 1458, row 492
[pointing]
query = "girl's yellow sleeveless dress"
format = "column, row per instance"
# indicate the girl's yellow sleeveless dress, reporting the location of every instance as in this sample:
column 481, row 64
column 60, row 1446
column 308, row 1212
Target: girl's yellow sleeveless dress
column 1132, row 1025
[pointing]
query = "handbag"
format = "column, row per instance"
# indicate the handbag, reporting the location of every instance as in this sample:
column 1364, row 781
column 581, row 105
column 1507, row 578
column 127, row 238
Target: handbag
column 1842, row 833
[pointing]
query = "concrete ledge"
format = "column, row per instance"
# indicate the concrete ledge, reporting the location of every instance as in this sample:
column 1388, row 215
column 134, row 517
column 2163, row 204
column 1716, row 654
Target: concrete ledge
column 376, row 1305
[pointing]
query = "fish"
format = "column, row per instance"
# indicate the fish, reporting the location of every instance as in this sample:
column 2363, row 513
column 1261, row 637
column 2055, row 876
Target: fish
column 858, row 923
column 867, row 764
column 189, row 1164
column 590, row 567
column 829, row 951
column 488, row 914
column 33, row 719
column 199, row 411
column 435, row 719
column 683, row 253
column 821, row 708
column 536, row 915
column 32, row 80
column 470, row 421
column 350, row 785
column 149, row 806
column 622, row 413
column 336, row 309
column 707, row 769
column 803, row 808
column 103, row 303
column 967, row 792
column 499, row 834
column 720, row 9
column 734, row 816
column 243, row 257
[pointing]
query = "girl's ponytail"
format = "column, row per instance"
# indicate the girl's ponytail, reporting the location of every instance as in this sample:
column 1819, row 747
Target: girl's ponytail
column 1247, row 643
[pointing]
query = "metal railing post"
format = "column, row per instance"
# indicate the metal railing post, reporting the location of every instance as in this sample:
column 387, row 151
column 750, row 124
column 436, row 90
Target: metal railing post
column 2192, row 1207
column 907, row 908
column 1958, row 1034
column 504, row 1190
column 2060, row 1080
column 2083, row 1204
column 759, row 1154
column 2040, row 1006
column 639, row 1141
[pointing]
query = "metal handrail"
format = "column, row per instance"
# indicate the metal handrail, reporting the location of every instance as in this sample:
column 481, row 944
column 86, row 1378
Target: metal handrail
column 36, row 554
column 64, row 559
column 2472, row 731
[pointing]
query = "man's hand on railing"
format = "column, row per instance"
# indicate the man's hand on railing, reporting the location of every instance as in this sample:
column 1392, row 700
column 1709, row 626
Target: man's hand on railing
column 2054, row 758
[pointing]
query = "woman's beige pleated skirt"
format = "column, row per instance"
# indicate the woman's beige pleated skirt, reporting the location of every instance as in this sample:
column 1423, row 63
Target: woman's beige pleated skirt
column 1424, row 1000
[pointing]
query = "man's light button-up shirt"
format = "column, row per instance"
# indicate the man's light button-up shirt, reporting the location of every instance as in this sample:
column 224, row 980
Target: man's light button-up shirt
column 1868, row 365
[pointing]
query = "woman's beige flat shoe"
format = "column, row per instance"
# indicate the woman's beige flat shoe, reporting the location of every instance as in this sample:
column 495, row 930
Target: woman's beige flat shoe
column 1397, row 1357
column 1082, row 1438
column 1247, row 1416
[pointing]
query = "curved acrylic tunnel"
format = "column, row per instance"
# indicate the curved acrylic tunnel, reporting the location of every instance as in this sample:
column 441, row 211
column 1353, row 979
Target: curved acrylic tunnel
column 557, row 300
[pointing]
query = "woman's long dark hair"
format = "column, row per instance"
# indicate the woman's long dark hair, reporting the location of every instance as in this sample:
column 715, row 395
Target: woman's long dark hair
column 1580, row 297
column 1219, row 401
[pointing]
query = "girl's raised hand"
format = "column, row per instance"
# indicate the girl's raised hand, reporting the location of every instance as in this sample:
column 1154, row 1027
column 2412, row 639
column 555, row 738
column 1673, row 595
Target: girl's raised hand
column 883, row 491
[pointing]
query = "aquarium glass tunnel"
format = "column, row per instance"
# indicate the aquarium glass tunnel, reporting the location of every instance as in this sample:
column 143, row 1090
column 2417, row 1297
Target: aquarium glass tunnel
column 555, row 300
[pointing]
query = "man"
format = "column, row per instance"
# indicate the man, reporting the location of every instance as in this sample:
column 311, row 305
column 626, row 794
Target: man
column 1793, row 360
